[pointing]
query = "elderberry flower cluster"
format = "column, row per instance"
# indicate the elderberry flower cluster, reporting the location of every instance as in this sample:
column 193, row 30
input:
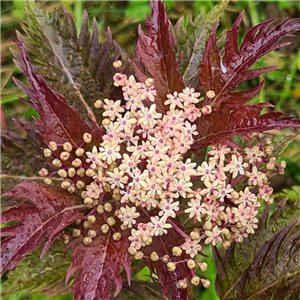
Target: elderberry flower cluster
column 139, row 179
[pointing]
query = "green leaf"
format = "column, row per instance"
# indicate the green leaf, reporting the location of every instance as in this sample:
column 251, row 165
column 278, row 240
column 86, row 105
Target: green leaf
column 77, row 67
column 293, row 193
column 44, row 275
column 282, row 143
column 266, row 265
column 21, row 157
column 191, row 37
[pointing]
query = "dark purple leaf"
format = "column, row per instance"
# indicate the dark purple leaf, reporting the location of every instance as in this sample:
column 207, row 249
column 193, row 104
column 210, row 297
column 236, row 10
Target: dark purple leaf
column 58, row 122
column 79, row 68
column 224, row 72
column 156, row 57
column 98, row 266
column 47, row 213
column 231, row 121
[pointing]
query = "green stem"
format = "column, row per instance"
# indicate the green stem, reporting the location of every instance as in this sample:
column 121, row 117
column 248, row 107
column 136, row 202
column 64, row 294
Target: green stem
column 288, row 83
column 253, row 13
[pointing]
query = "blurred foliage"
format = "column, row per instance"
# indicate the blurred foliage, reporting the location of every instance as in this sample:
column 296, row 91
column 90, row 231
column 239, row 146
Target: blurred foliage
column 281, row 86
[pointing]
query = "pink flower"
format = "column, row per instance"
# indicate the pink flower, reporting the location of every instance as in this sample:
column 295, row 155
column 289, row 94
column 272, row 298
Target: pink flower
column 236, row 166
column 168, row 208
column 213, row 236
column 119, row 79
column 256, row 177
column 254, row 154
column 191, row 247
column 128, row 215
column 148, row 117
column 116, row 178
column 196, row 208
column 93, row 158
column 174, row 101
column 110, row 152
column 189, row 96
column 159, row 226
column 112, row 108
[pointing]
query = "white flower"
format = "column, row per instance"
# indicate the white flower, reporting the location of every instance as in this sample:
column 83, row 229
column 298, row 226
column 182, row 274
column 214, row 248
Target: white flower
column 168, row 208
column 128, row 215
column 159, row 226
column 110, row 152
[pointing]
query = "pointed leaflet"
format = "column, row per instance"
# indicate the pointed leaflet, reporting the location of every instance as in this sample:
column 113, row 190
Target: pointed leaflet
column 21, row 156
column 58, row 122
column 47, row 213
column 98, row 265
column 191, row 37
column 78, row 68
column 156, row 57
column 220, row 126
column 265, row 263
column 223, row 74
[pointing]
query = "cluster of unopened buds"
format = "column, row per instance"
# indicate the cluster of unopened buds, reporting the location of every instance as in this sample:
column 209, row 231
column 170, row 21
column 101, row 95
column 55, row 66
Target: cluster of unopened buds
column 138, row 182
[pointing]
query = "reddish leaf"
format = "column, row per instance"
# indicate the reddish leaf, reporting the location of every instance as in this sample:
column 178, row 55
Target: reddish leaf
column 163, row 246
column 155, row 54
column 47, row 213
column 59, row 122
column 224, row 72
column 79, row 68
column 21, row 155
column 98, row 265
column 220, row 126
column 261, row 266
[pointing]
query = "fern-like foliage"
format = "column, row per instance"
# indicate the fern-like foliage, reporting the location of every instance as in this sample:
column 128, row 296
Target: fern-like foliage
column 47, row 212
column 266, row 265
column 156, row 57
column 20, row 159
column 191, row 36
column 67, row 72
column 224, row 70
column 77, row 67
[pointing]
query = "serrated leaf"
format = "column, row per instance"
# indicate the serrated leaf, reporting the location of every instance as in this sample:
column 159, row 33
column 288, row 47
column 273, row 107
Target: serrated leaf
column 33, row 274
column 79, row 68
column 224, row 74
column 282, row 144
column 264, row 266
column 191, row 37
column 156, row 57
column 21, row 157
column 221, row 126
column 98, row 265
column 58, row 121
column 47, row 212
column 223, row 71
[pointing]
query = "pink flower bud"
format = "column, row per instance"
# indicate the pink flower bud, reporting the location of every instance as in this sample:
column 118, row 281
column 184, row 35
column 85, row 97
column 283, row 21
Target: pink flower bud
column 87, row 137
column 52, row 146
column 47, row 152
column 43, row 172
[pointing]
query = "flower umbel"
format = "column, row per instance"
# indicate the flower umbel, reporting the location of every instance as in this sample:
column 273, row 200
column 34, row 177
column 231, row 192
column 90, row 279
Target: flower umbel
column 145, row 162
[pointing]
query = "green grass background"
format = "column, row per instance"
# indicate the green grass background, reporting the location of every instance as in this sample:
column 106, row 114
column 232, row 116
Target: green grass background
column 282, row 87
